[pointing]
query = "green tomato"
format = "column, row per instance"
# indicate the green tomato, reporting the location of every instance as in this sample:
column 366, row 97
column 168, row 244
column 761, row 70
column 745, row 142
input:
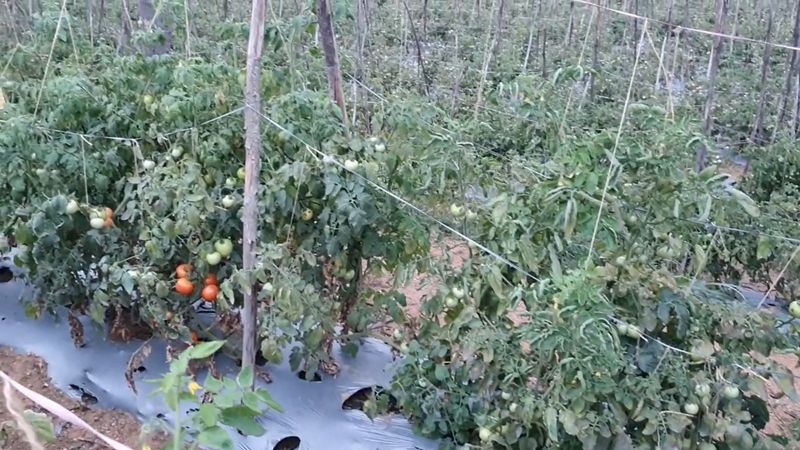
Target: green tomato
column 349, row 275
column 730, row 392
column 380, row 147
column 228, row 201
column 456, row 210
column 240, row 174
column 458, row 292
column 622, row 328
column 72, row 207
column 397, row 335
column 230, row 182
column 148, row 164
column 484, row 434
column 513, row 407
column 177, row 151
column 702, row 390
column 451, row 302
column 691, row 408
column 41, row 172
column 213, row 258
column 97, row 223
column 351, row 165
column 148, row 100
column 268, row 288
column 794, row 309
column 505, row 396
column 620, row 261
column 224, row 247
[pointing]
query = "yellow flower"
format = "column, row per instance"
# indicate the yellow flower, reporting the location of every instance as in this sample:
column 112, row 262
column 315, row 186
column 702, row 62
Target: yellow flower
column 193, row 387
column 146, row 447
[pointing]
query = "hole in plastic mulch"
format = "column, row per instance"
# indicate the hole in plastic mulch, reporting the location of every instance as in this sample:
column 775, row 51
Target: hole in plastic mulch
column 87, row 398
column 314, row 378
column 357, row 400
column 6, row 275
column 288, row 443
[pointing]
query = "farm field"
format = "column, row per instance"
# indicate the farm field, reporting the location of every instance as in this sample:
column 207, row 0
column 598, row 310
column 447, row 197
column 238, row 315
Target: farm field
column 400, row 224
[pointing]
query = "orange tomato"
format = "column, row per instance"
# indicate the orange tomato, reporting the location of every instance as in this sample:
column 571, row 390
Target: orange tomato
column 108, row 212
column 195, row 337
column 170, row 315
column 184, row 287
column 211, row 279
column 108, row 223
column 182, row 271
column 210, row 293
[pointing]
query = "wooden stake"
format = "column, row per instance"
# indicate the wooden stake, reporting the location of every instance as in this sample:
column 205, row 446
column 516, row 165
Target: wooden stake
column 252, row 168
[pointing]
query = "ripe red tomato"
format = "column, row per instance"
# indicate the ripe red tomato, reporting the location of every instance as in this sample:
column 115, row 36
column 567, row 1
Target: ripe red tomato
column 183, row 270
column 211, row 279
column 210, row 293
column 184, row 287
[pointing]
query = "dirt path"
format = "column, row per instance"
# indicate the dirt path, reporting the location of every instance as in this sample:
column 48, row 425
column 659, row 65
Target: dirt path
column 31, row 372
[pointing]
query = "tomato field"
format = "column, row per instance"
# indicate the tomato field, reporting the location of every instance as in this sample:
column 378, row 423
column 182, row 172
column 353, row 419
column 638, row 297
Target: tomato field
column 619, row 177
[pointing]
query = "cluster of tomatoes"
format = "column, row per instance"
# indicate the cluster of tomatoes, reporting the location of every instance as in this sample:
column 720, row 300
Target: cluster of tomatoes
column 185, row 287
column 98, row 218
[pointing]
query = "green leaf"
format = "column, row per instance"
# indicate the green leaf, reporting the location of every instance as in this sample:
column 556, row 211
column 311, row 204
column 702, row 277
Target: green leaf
column 440, row 372
column 204, row 349
column 495, row 279
column 245, row 378
column 42, row 425
column 551, row 420
column 212, row 385
column 251, row 400
column 700, row 258
column 569, row 421
column 215, row 438
column 748, row 204
column 764, row 247
column 265, row 397
column 208, row 414
column 243, row 419
column 555, row 264
column 24, row 235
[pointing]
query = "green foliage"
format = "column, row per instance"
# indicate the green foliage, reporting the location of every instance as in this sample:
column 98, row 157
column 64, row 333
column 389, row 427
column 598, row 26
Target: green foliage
column 229, row 402
column 613, row 326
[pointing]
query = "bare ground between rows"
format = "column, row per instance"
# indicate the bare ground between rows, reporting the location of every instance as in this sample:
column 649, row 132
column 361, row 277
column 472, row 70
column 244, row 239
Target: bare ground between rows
column 31, row 372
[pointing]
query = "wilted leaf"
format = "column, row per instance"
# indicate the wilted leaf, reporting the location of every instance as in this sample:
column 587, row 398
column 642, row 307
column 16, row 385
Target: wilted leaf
column 551, row 420
column 785, row 382
column 570, row 218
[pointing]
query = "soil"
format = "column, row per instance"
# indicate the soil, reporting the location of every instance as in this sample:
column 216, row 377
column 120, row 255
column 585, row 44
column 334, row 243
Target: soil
column 31, row 372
